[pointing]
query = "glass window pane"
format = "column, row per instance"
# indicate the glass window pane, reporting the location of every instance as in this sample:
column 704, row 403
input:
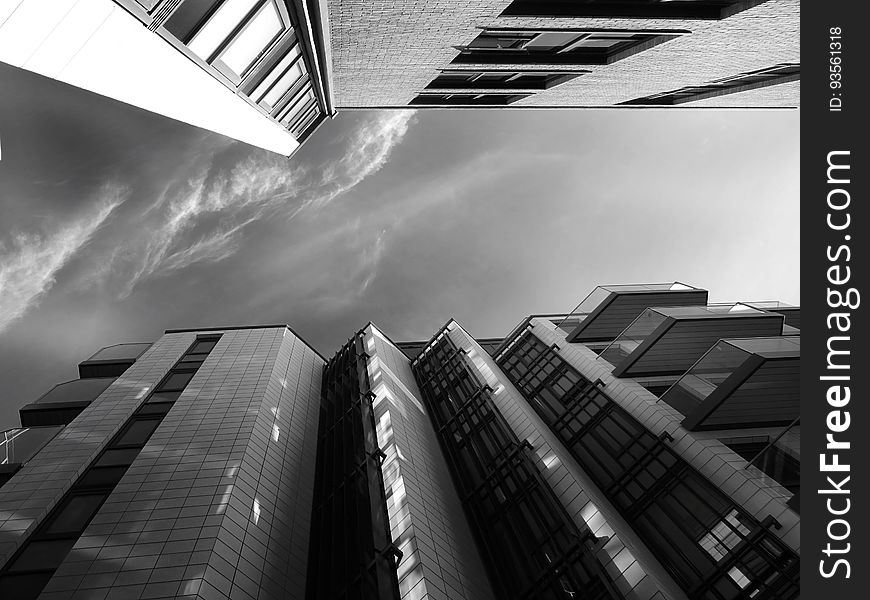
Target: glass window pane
column 75, row 513
column 186, row 17
column 46, row 554
column 137, row 432
column 114, row 458
column 176, row 381
column 23, row 586
column 551, row 40
column 299, row 107
column 287, row 81
column 220, row 26
column 160, row 408
column 253, row 40
column 102, row 477
column 203, row 346
column 164, row 397
column 276, row 72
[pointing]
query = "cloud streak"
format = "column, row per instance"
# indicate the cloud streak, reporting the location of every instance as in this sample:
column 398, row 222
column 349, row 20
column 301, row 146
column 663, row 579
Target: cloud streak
column 29, row 262
column 202, row 218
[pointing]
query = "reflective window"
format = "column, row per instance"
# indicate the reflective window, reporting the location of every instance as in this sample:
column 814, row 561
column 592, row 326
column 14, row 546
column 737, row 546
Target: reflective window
column 137, row 432
column 102, row 476
column 117, row 457
column 176, row 381
column 75, row 513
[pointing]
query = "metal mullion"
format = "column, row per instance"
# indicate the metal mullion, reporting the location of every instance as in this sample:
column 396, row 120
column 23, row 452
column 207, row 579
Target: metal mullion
column 278, row 78
column 233, row 33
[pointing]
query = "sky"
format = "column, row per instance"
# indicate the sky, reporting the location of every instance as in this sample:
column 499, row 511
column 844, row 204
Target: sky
column 116, row 224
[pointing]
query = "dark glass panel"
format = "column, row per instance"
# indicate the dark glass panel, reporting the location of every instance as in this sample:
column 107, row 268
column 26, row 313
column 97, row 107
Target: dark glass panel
column 23, row 587
column 102, row 477
column 75, row 513
column 176, row 381
column 113, row 458
column 137, row 432
column 45, row 554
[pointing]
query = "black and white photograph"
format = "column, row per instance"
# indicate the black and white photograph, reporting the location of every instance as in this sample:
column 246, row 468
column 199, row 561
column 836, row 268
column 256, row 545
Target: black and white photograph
column 428, row 300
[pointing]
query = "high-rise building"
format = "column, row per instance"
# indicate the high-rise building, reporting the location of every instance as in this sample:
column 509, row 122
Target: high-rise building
column 644, row 446
column 268, row 72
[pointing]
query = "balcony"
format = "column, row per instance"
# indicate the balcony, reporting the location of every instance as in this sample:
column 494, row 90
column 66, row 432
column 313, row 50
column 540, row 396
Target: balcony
column 609, row 309
column 749, row 382
column 669, row 340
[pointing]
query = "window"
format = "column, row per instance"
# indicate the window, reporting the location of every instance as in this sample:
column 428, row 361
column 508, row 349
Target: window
column 39, row 555
column 743, row 82
column 495, row 80
column 467, row 99
column 176, row 381
column 558, row 46
column 665, row 9
column 532, row 546
column 237, row 34
column 709, row 545
column 75, row 513
column 137, row 432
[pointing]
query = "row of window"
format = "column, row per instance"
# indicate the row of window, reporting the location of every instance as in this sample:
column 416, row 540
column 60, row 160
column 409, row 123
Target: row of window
column 530, row 545
column 252, row 44
column 663, row 9
column 351, row 554
column 711, row 546
column 505, row 47
column 36, row 561
column 742, row 82
column 521, row 46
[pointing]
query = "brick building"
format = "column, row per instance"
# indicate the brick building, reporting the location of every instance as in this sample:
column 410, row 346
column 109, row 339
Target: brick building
column 563, row 53
column 643, row 446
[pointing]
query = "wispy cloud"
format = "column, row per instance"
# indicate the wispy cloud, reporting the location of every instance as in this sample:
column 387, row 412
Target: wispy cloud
column 30, row 261
column 201, row 218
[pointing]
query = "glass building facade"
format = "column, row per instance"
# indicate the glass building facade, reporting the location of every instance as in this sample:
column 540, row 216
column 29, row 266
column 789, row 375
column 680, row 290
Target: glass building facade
column 238, row 462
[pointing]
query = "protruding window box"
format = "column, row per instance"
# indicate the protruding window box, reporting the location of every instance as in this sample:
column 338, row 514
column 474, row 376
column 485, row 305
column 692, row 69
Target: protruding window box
column 609, row 309
column 669, row 340
column 738, row 383
column 63, row 403
column 111, row 361
column 791, row 313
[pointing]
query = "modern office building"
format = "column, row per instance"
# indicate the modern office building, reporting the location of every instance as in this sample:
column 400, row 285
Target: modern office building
column 268, row 72
column 249, row 69
column 644, row 446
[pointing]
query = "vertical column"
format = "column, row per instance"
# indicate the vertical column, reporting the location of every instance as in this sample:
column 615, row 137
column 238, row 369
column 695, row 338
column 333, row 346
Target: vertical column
column 427, row 523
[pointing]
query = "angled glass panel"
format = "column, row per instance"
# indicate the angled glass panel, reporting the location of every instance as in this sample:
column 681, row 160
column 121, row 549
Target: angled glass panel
column 704, row 377
column 633, row 336
column 120, row 352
